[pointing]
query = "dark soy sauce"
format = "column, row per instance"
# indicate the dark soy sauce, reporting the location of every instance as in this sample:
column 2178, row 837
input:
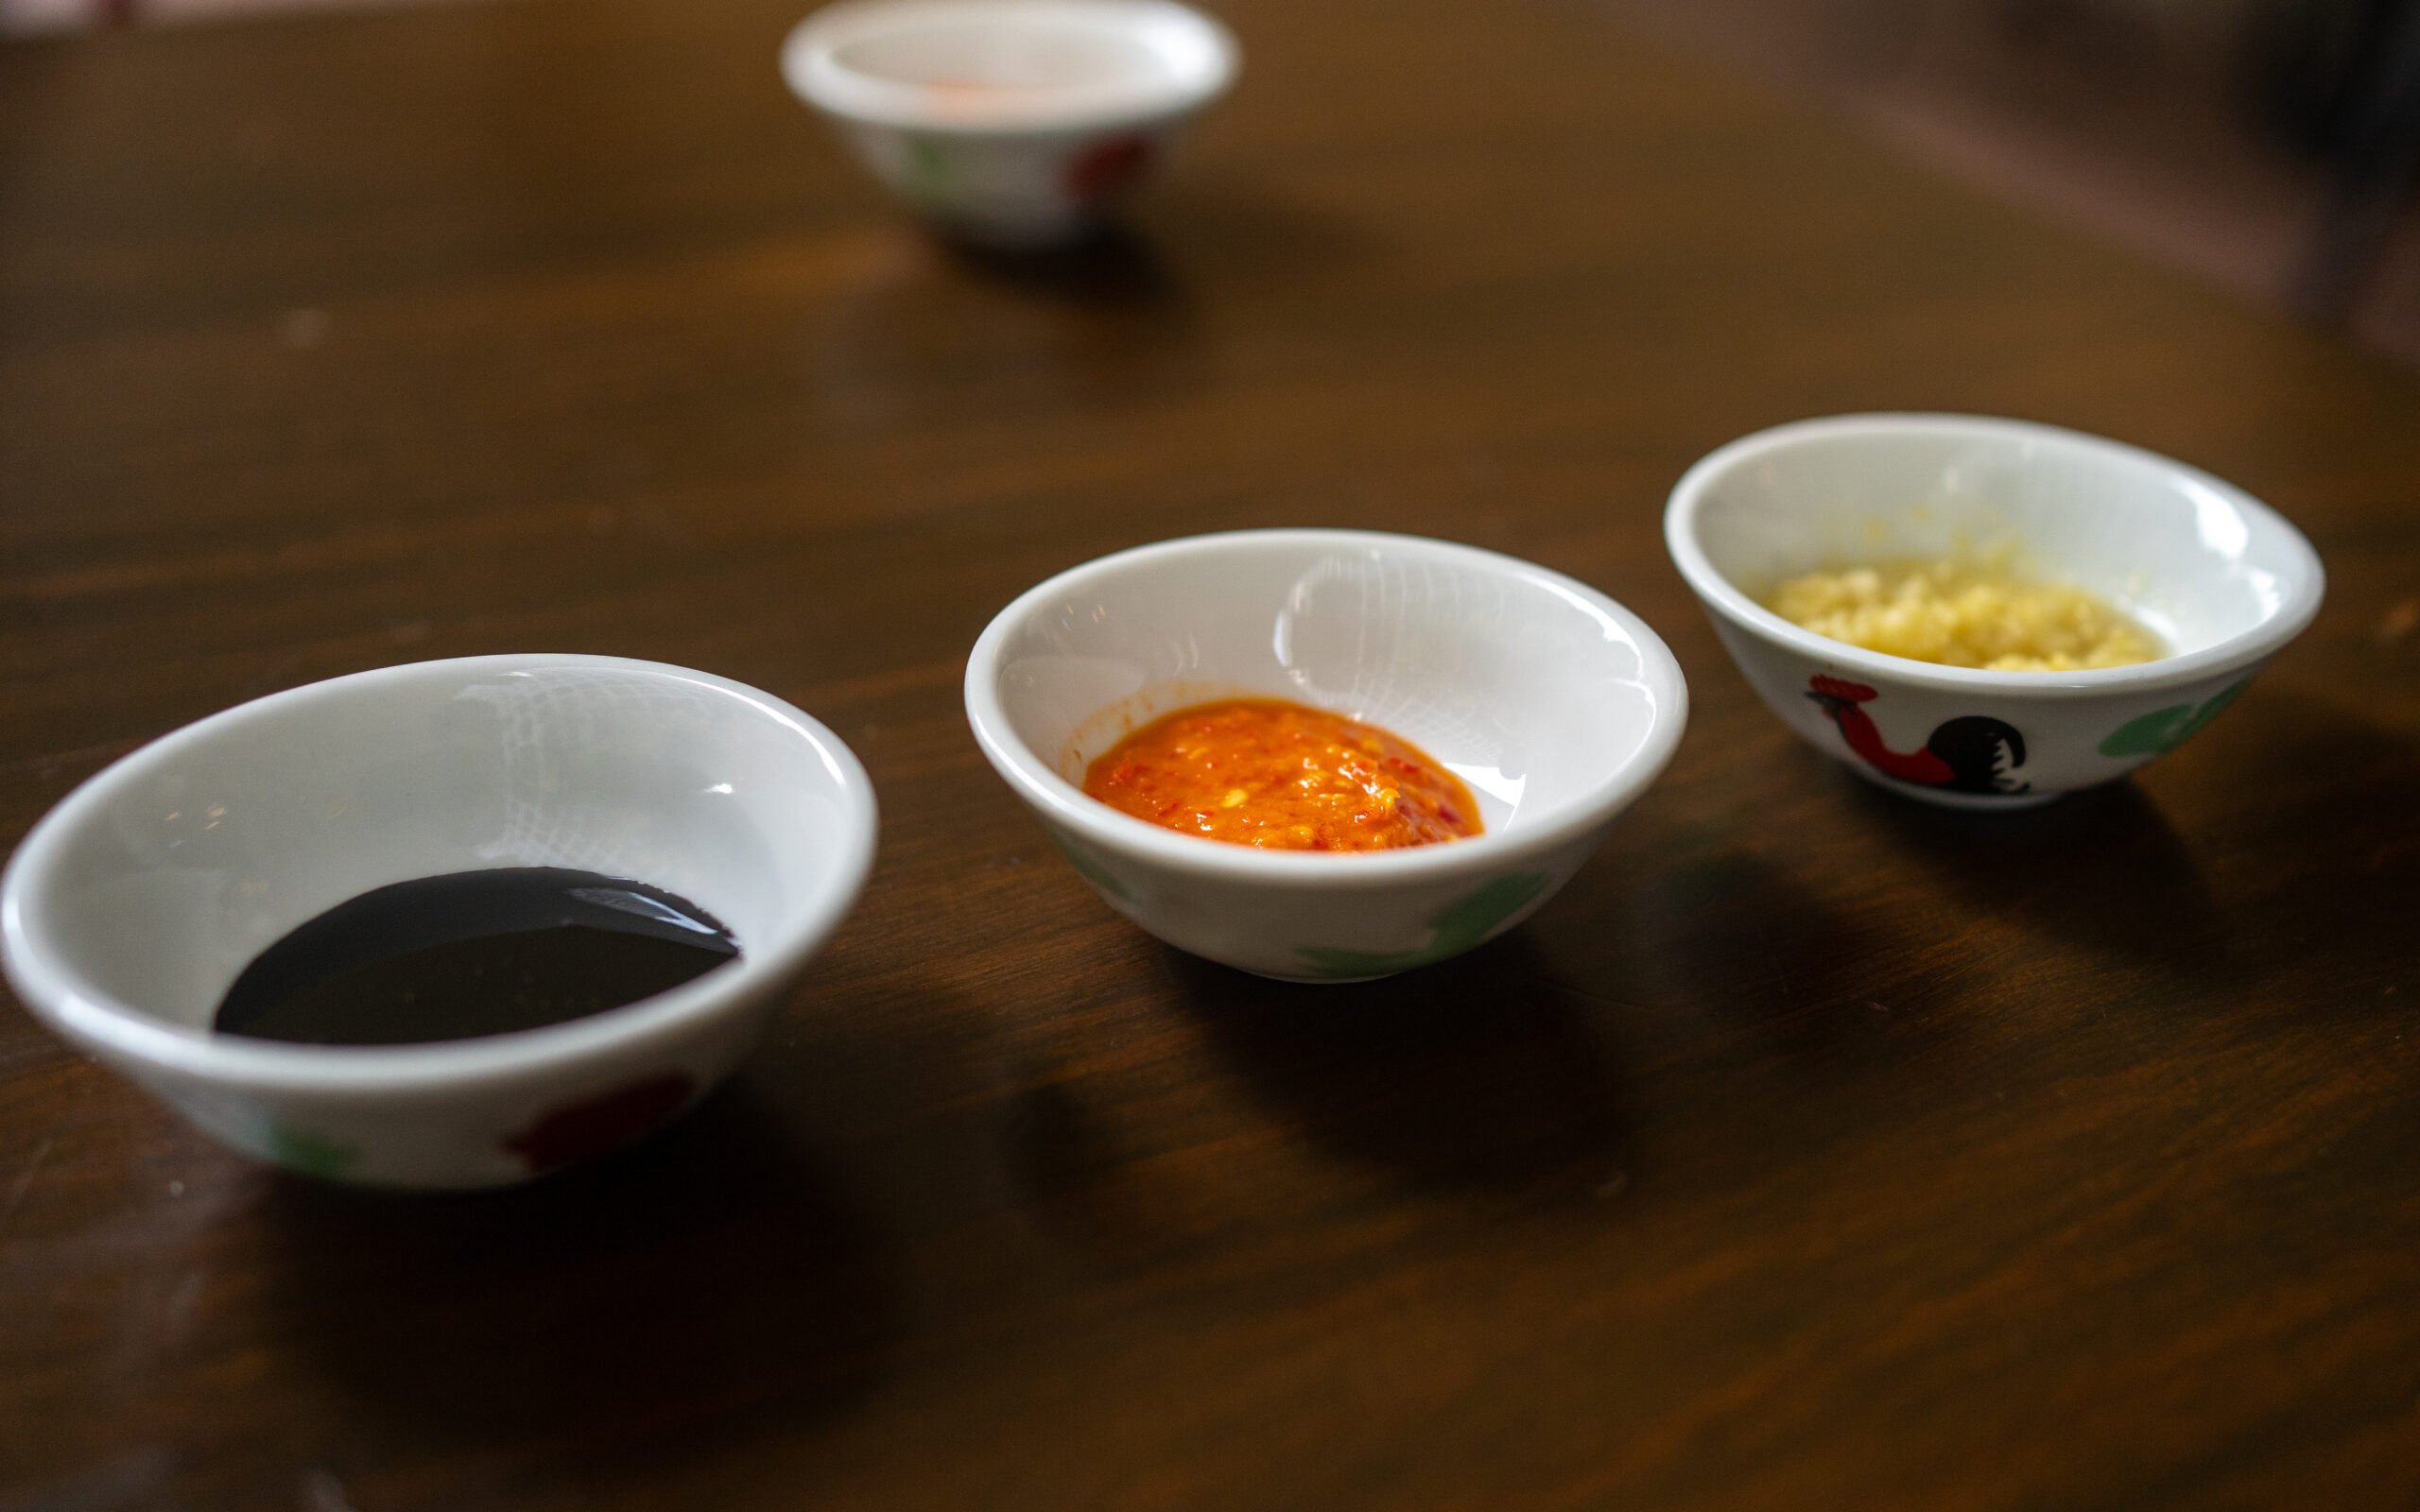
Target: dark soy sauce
column 473, row 953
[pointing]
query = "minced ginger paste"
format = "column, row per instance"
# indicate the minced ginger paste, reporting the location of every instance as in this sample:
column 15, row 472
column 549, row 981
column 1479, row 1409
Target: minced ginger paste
column 1963, row 615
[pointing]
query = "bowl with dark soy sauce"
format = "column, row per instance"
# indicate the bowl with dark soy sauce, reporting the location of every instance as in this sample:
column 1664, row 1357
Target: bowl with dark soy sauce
column 449, row 924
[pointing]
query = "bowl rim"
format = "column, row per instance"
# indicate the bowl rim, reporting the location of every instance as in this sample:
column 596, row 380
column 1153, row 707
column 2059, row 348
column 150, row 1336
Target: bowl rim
column 62, row 999
column 1063, row 803
column 811, row 66
column 1728, row 602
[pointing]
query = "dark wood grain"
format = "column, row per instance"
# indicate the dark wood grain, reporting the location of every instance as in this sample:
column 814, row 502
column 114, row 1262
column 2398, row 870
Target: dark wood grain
column 1812, row 1150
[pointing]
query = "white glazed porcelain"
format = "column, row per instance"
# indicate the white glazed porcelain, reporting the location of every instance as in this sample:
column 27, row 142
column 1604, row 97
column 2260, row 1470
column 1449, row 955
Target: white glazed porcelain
column 132, row 906
column 2220, row 576
column 1555, row 704
column 1011, row 123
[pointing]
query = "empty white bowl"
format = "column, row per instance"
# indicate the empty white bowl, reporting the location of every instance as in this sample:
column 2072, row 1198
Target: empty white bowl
column 2218, row 576
column 132, row 907
column 1554, row 703
column 1010, row 123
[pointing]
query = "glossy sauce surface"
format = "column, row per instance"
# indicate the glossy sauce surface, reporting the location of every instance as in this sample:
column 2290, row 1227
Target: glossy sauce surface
column 1282, row 776
column 473, row 953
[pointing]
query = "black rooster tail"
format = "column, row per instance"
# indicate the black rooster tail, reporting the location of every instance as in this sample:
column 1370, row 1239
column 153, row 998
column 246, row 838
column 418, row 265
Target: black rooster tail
column 1981, row 754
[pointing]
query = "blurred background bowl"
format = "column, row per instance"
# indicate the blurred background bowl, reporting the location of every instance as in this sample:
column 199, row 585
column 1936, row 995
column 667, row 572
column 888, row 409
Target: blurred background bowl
column 2218, row 577
column 130, row 909
column 1009, row 123
column 1554, row 703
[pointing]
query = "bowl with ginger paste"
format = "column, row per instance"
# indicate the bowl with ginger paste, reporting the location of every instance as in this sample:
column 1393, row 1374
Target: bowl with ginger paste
column 1981, row 612
column 1323, row 755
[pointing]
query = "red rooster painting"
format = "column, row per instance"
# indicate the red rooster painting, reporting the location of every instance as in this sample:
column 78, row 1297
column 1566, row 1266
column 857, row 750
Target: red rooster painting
column 1974, row 753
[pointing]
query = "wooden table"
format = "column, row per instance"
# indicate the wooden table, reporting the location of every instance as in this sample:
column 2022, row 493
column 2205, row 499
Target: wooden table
column 1813, row 1150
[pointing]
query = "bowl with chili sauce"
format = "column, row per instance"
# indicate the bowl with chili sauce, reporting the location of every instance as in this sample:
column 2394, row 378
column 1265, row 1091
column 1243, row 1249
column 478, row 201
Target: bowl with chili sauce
column 1323, row 755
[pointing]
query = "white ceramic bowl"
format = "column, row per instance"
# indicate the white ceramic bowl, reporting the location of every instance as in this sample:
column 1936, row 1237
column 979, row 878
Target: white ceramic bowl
column 1010, row 123
column 1554, row 703
column 2220, row 576
column 132, row 907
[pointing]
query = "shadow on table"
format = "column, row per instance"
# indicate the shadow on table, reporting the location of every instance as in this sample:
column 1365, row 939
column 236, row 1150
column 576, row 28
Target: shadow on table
column 2327, row 811
column 1115, row 267
column 2309, row 807
column 633, row 1307
column 1215, row 232
column 1243, row 231
column 1734, row 943
column 2101, row 869
column 1473, row 1073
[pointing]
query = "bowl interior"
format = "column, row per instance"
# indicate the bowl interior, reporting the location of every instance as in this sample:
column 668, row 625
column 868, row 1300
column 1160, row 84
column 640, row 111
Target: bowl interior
column 978, row 54
column 2196, row 561
column 1534, row 691
column 1001, row 62
column 174, row 870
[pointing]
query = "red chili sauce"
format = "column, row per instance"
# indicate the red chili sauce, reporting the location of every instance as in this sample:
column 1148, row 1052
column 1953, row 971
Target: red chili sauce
column 1276, row 775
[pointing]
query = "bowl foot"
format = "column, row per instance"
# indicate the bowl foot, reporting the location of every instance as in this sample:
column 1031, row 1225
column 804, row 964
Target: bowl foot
column 1945, row 798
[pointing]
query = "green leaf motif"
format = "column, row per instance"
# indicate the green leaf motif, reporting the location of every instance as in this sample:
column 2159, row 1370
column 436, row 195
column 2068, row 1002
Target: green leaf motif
column 1460, row 926
column 1091, row 868
column 929, row 166
column 2164, row 730
column 306, row 1151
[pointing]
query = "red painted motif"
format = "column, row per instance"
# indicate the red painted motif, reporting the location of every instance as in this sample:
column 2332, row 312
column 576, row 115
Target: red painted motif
column 1106, row 168
column 601, row 1124
column 1973, row 753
